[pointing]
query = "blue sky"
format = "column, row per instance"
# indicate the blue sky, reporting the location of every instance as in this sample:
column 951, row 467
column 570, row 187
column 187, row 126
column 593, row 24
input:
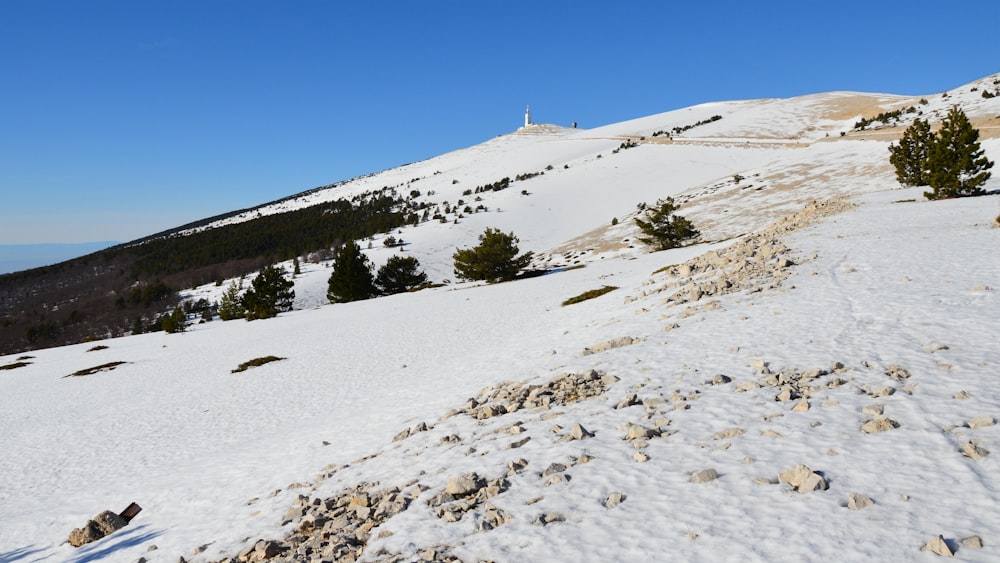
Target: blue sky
column 121, row 119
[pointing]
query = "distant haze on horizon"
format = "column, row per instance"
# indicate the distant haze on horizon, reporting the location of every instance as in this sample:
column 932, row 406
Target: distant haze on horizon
column 123, row 119
column 18, row 257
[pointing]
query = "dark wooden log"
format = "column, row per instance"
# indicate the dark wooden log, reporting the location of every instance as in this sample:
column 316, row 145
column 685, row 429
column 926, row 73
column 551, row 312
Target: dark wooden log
column 129, row 513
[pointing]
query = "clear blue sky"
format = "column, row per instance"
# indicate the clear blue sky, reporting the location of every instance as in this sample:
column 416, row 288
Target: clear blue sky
column 119, row 119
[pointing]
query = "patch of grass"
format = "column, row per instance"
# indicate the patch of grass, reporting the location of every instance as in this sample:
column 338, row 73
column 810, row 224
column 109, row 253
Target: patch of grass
column 256, row 362
column 22, row 358
column 90, row 371
column 576, row 267
column 98, row 347
column 589, row 295
column 15, row 365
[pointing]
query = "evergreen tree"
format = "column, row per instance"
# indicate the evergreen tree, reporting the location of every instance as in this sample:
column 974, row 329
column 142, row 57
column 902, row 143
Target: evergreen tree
column 399, row 274
column 351, row 279
column 910, row 155
column 231, row 304
column 663, row 228
column 955, row 162
column 174, row 322
column 269, row 294
column 494, row 259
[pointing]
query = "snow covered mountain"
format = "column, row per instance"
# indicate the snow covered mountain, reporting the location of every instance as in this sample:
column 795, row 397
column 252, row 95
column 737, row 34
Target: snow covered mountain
column 828, row 319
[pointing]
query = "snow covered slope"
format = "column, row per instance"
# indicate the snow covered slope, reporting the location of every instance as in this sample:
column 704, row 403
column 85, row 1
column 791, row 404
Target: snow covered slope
column 872, row 301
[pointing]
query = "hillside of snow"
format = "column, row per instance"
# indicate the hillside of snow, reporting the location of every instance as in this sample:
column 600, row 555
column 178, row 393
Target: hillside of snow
column 829, row 319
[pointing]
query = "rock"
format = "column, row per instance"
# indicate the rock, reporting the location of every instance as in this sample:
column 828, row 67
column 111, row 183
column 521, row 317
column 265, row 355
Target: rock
column 972, row 542
column 640, row 457
column 980, row 422
column 879, row 424
column 803, row 479
column 464, row 486
column 728, row 433
column 629, row 400
column 962, row 395
column 704, row 476
column 873, row 410
column 857, row 502
column 721, row 379
column 402, row 435
column 614, row 499
column 973, row 450
column 578, row 432
column 519, row 443
column 939, row 547
column 747, row 386
column 771, row 434
column 898, row 373
column 103, row 524
column 801, row 406
column 553, row 469
column 639, row 432
column 548, row 518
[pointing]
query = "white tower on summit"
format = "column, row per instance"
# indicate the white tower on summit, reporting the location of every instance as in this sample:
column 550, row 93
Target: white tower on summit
column 527, row 116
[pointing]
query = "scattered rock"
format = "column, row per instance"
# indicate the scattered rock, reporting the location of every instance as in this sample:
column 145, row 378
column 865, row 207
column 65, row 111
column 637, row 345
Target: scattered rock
column 801, row 406
column 721, row 379
column 981, row 422
column 614, row 499
column 640, row 457
column 856, row 501
column 548, row 518
column 962, row 395
column 610, row 345
column 803, row 480
column 704, row 476
column 728, row 433
column 873, row 410
column 879, row 424
column 897, row 373
column 973, row 450
column 938, row 546
column 465, row 485
column 639, row 432
column 578, row 432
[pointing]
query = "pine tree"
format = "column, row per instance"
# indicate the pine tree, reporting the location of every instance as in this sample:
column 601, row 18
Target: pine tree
column 494, row 259
column 351, row 279
column 399, row 274
column 955, row 162
column 663, row 228
column 269, row 294
column 231, row 304
column 174, row 322
column 910, row 155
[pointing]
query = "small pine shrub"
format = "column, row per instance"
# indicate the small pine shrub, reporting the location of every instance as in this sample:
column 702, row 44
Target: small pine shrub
column 586, row 295
column 255, row 363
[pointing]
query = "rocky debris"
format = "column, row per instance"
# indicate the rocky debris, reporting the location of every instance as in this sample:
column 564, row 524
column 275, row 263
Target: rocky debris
column 493, row 517
column 464, row 493
column 640, row 457
column 856, row 501
column 554, row 468
column 792, row 385
column 578, row 432
column 981, row 422
column 962, row 395
column 897, row 373
column 337, row 528
column 879, row 424
column 803, row 480
column 610, row 345
column 614, row 499
column 704, row 476
column 938, row 546
column 101, row 525
column 876, row 392
column 973, row 450
column 758, row 262
column 421, row 427
column 511, row 397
